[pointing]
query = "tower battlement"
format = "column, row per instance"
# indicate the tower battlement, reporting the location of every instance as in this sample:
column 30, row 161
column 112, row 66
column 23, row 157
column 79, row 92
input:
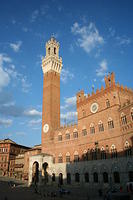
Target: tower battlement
column 109, row 86
column 52, row 61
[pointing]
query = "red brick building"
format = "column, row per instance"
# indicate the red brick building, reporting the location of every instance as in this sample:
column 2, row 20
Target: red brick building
column 104, row 130
column 8, row 152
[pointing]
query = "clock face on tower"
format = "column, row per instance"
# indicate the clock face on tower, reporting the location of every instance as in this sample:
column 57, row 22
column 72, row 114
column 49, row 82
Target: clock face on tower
column 45, row 128
column 94, row 107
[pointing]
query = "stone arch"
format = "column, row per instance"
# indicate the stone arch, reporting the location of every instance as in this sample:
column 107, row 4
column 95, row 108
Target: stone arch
column 67, row 154
column 76, row 153
column 126, row 145
column 92, row 125
column 35, row 172
column 59, row 136
column 110, row 119
column 112, row 147
column 84, row 127
column 75, row 130
column 60, row 178
column 45, row 172
column 85, row 151
column 60, row 158
column 100, row 122
column 76, row 156
column 122, row 114
column 67, row 157
column 102, row 148
column 67, row 134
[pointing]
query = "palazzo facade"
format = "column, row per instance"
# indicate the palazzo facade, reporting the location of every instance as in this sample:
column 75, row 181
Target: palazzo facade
column 98, row 149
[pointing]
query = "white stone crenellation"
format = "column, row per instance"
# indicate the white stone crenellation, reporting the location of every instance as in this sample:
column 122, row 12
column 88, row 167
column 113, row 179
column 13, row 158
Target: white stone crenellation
column 52, row 63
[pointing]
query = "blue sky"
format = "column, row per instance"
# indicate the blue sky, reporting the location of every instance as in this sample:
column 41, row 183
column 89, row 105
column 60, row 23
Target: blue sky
column 96, row 37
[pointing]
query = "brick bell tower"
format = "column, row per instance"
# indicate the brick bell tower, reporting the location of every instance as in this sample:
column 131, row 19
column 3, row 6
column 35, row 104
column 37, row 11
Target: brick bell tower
column 51, row 66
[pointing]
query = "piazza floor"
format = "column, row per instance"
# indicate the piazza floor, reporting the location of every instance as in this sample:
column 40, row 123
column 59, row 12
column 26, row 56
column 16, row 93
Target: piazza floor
column 22, row 192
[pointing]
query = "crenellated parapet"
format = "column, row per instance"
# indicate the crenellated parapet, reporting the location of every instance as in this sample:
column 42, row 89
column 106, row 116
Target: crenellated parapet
column 124, row 89
column 82, row 98
column 110, row 85
column 109, row 80
column 66, row 126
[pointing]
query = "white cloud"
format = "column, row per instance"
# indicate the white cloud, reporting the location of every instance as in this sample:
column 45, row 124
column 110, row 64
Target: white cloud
column 102, row 70
column 25, row 85
column 69, row 102
column 89, row 37
column 68, row 113
column 123, row 40
column 65, row 75
column 34, row 15
column 69, row 116
column 4, row 76
column 32, row 113
column 12, row 73
column 5, row 122
column 71, row 48
column 111, row 32
column 35, row 122
column 4, row 58
column 20, row 133
column 60, row 8
column 13, row 21
column 16, row 46
column 25, row 29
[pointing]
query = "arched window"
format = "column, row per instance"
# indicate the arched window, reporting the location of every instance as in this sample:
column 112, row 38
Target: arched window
column 100, row 126
column 67, row 157
column 84, row 113
column 49, row 51
column 105, row 177
column 130, row 175
column 53, row 177
column 67, row 135
column 110, row 123
column 132, row 114
column 75, row 133
column 103, row 153
column 54, row 50
column 85, row 155
column 94, row 154
column 76, row 156
column 68, row 178
column 107, row 103
column 84, row 131
column 123, row 118
column 77, row 177
column 60, row 179
column 53, row 158
column 95, row 177
column 113, row 151
column 128, row 150
column 86, row 177
column 116, row 177
column 60, row 160
column 92, row 128
column 35, row 172
column 59, row 137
